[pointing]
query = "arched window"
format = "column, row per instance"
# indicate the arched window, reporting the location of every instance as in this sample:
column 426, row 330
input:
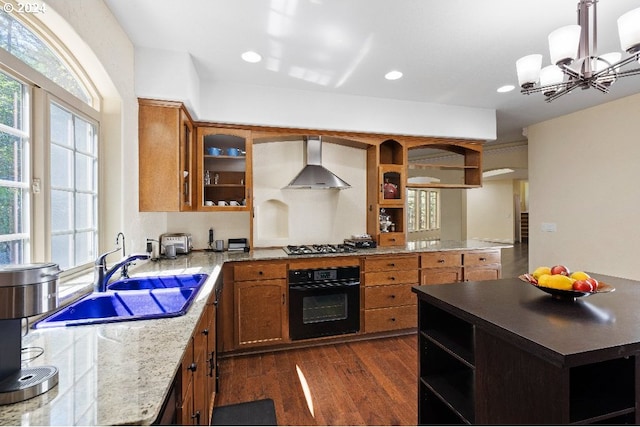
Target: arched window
column 49, row 129
column 25, row 45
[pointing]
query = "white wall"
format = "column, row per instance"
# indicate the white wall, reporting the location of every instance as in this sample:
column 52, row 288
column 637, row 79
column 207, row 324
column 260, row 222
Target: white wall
column 490, row 211
column 583, row 177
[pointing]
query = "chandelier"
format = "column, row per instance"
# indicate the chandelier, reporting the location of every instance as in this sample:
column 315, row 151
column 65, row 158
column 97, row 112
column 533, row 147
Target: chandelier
column 574, row 59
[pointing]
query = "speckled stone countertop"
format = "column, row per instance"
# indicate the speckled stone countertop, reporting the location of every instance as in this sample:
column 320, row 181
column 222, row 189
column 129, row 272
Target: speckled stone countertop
column 120, row 373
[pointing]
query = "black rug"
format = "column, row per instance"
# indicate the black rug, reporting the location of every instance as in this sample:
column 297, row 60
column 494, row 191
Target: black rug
column 256, row 413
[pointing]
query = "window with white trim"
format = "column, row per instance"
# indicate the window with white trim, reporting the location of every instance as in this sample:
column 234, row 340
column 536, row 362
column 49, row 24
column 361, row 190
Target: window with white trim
column 48, row 152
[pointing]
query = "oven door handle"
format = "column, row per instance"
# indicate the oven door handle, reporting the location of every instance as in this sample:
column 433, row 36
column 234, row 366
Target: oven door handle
column 324, row 286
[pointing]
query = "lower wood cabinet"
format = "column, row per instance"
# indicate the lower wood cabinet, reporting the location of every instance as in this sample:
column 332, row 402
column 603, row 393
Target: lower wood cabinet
column 482, row 265
column 388, row 301
column 457, row 266
column 260, row 304
column 197, row 374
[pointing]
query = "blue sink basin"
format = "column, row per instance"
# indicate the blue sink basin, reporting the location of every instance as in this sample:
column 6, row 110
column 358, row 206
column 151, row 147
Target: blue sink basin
column 127, row 305
column 159, row 282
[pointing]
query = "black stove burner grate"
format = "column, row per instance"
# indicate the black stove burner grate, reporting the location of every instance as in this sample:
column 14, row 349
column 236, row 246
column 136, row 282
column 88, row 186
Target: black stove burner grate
column 318, row 249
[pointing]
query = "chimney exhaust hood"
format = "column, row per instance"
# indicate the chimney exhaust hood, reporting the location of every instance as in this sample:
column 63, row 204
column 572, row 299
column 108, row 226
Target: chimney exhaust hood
column 313, row 175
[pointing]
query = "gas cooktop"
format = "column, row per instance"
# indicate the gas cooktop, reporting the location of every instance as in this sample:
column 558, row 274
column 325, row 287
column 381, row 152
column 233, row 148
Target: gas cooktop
column 318, row 249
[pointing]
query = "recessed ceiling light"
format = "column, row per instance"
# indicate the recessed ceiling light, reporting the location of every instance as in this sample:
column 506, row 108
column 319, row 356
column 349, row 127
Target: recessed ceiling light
column 506, row 88
column 251, row 56
column 393, row 75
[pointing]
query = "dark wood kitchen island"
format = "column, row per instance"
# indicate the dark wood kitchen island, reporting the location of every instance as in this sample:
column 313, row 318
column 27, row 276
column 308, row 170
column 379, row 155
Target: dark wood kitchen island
column 504, row 352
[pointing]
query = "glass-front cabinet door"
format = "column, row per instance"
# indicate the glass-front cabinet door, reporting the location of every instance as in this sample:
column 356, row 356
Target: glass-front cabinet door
column 224, row 169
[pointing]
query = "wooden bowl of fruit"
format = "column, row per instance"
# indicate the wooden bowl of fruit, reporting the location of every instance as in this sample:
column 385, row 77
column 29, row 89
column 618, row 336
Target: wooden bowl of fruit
column 560, row 283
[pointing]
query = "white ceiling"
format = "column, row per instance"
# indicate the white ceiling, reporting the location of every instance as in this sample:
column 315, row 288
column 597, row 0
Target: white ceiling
column 455, row 52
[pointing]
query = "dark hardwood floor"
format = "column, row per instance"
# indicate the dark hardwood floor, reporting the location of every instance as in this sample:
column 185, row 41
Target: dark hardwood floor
column 371, row 382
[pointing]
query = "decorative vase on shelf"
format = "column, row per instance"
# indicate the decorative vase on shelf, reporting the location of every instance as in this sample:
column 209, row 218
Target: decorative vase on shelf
column 385, row 221
column 390, row 190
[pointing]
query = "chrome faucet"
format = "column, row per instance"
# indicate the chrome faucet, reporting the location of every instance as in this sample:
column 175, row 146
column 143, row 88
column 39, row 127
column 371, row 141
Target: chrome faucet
column 101, row 274
column 124, row 273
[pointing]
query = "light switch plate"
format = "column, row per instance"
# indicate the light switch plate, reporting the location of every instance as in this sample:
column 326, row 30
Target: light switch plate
column 549, row 227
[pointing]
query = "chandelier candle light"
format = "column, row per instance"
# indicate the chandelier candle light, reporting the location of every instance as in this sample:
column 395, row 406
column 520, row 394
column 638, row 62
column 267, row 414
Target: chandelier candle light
column 574, row 59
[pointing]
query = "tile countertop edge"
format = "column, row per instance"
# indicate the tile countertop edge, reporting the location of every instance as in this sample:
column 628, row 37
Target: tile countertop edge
column 103, row 382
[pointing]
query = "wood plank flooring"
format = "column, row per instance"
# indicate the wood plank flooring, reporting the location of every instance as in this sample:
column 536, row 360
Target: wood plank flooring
column 372, row 382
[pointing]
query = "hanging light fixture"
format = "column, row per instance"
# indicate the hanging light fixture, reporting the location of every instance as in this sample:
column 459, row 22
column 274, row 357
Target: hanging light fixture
column 574, row 59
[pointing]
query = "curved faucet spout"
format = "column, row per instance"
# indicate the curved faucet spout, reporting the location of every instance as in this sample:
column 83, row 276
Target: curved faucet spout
column 102, row 275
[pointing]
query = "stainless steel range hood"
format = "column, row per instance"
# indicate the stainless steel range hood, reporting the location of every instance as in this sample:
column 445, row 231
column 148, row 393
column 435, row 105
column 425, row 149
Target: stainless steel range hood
column 313, row 175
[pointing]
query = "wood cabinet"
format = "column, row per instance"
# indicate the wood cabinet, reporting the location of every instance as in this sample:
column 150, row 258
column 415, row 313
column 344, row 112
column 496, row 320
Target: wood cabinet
column 165, row 152
column 388, row 303
column 223, row 169
column 453, row 164
column 386, row 193
column 440, row 267
column 456, row 266
column 260, row 304
column 197, row 374
column 482, row 265
column 500, row 353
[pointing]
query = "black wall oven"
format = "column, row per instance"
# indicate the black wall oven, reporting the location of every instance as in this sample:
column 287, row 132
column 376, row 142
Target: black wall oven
column 324, row 302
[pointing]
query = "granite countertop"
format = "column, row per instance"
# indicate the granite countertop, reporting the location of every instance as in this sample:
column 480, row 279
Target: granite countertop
column 117, row 373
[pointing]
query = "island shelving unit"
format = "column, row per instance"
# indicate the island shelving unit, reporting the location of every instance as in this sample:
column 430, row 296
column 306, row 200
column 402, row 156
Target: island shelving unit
column 504, row 352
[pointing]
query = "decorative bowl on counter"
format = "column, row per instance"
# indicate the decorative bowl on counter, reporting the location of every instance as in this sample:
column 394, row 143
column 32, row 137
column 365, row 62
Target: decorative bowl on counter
column 566, row 294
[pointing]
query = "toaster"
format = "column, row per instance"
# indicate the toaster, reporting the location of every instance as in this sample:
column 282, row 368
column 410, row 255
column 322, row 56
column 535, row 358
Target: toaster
column 181, row 241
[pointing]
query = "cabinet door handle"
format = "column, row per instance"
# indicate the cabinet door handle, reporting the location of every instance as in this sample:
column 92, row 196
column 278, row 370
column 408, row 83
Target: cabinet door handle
column 196, row 417
column 283, row 299
column 205, row 332
column 211, row 363
column 193, row 367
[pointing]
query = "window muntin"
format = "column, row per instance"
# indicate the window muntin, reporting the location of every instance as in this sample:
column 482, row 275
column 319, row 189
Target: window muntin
column 14, row 171
column 423, row 210
column 74, row 188
column 22, row 43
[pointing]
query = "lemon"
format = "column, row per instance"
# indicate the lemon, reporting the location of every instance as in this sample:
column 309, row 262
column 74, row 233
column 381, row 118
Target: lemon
column 559, row 281
column 540, row 271
column 579, row 275
column 543, row 280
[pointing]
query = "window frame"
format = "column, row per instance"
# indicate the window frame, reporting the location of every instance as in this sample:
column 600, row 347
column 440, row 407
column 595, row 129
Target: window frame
column 419, row 215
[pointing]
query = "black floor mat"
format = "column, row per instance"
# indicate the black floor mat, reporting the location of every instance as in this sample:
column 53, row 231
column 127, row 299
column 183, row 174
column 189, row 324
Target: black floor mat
column 256, row 413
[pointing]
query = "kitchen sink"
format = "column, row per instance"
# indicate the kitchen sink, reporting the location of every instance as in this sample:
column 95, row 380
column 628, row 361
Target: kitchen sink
column 158, row 282
column 139, row 302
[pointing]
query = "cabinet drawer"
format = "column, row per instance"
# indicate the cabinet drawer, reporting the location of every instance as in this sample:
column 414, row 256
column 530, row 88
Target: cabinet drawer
column 388, row 296
column 441, row 259
column 242, row 272
column 391, row 277
column 387, row 319
column 438, row 276
column 391, row 263
column 392, row 239
column 481, row 258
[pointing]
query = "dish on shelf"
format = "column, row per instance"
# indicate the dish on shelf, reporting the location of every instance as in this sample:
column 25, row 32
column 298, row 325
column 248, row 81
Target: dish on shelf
column 566, row 294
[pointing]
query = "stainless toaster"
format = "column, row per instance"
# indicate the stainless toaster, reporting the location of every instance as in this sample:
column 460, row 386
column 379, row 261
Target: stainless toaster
column 181, row 241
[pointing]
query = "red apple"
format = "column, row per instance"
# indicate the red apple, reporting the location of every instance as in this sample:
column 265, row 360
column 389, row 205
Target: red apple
column 582, row 286
column 593, row 282
column 560, row 269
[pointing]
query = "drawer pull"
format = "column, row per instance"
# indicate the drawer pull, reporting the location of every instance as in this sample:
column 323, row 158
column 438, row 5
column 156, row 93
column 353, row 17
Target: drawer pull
column 392, row 278
column 482, row 259
column 260, row 273
column 392, row 296
column 441, row 261
column 193, row 367
column 205, row 332
column 393, row 319
column 392, row 264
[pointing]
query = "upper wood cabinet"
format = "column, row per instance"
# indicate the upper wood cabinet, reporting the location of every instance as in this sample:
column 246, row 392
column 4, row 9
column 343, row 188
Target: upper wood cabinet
column 386, row 195
column 223, row 169
column 453, row 164
column 165, row 150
